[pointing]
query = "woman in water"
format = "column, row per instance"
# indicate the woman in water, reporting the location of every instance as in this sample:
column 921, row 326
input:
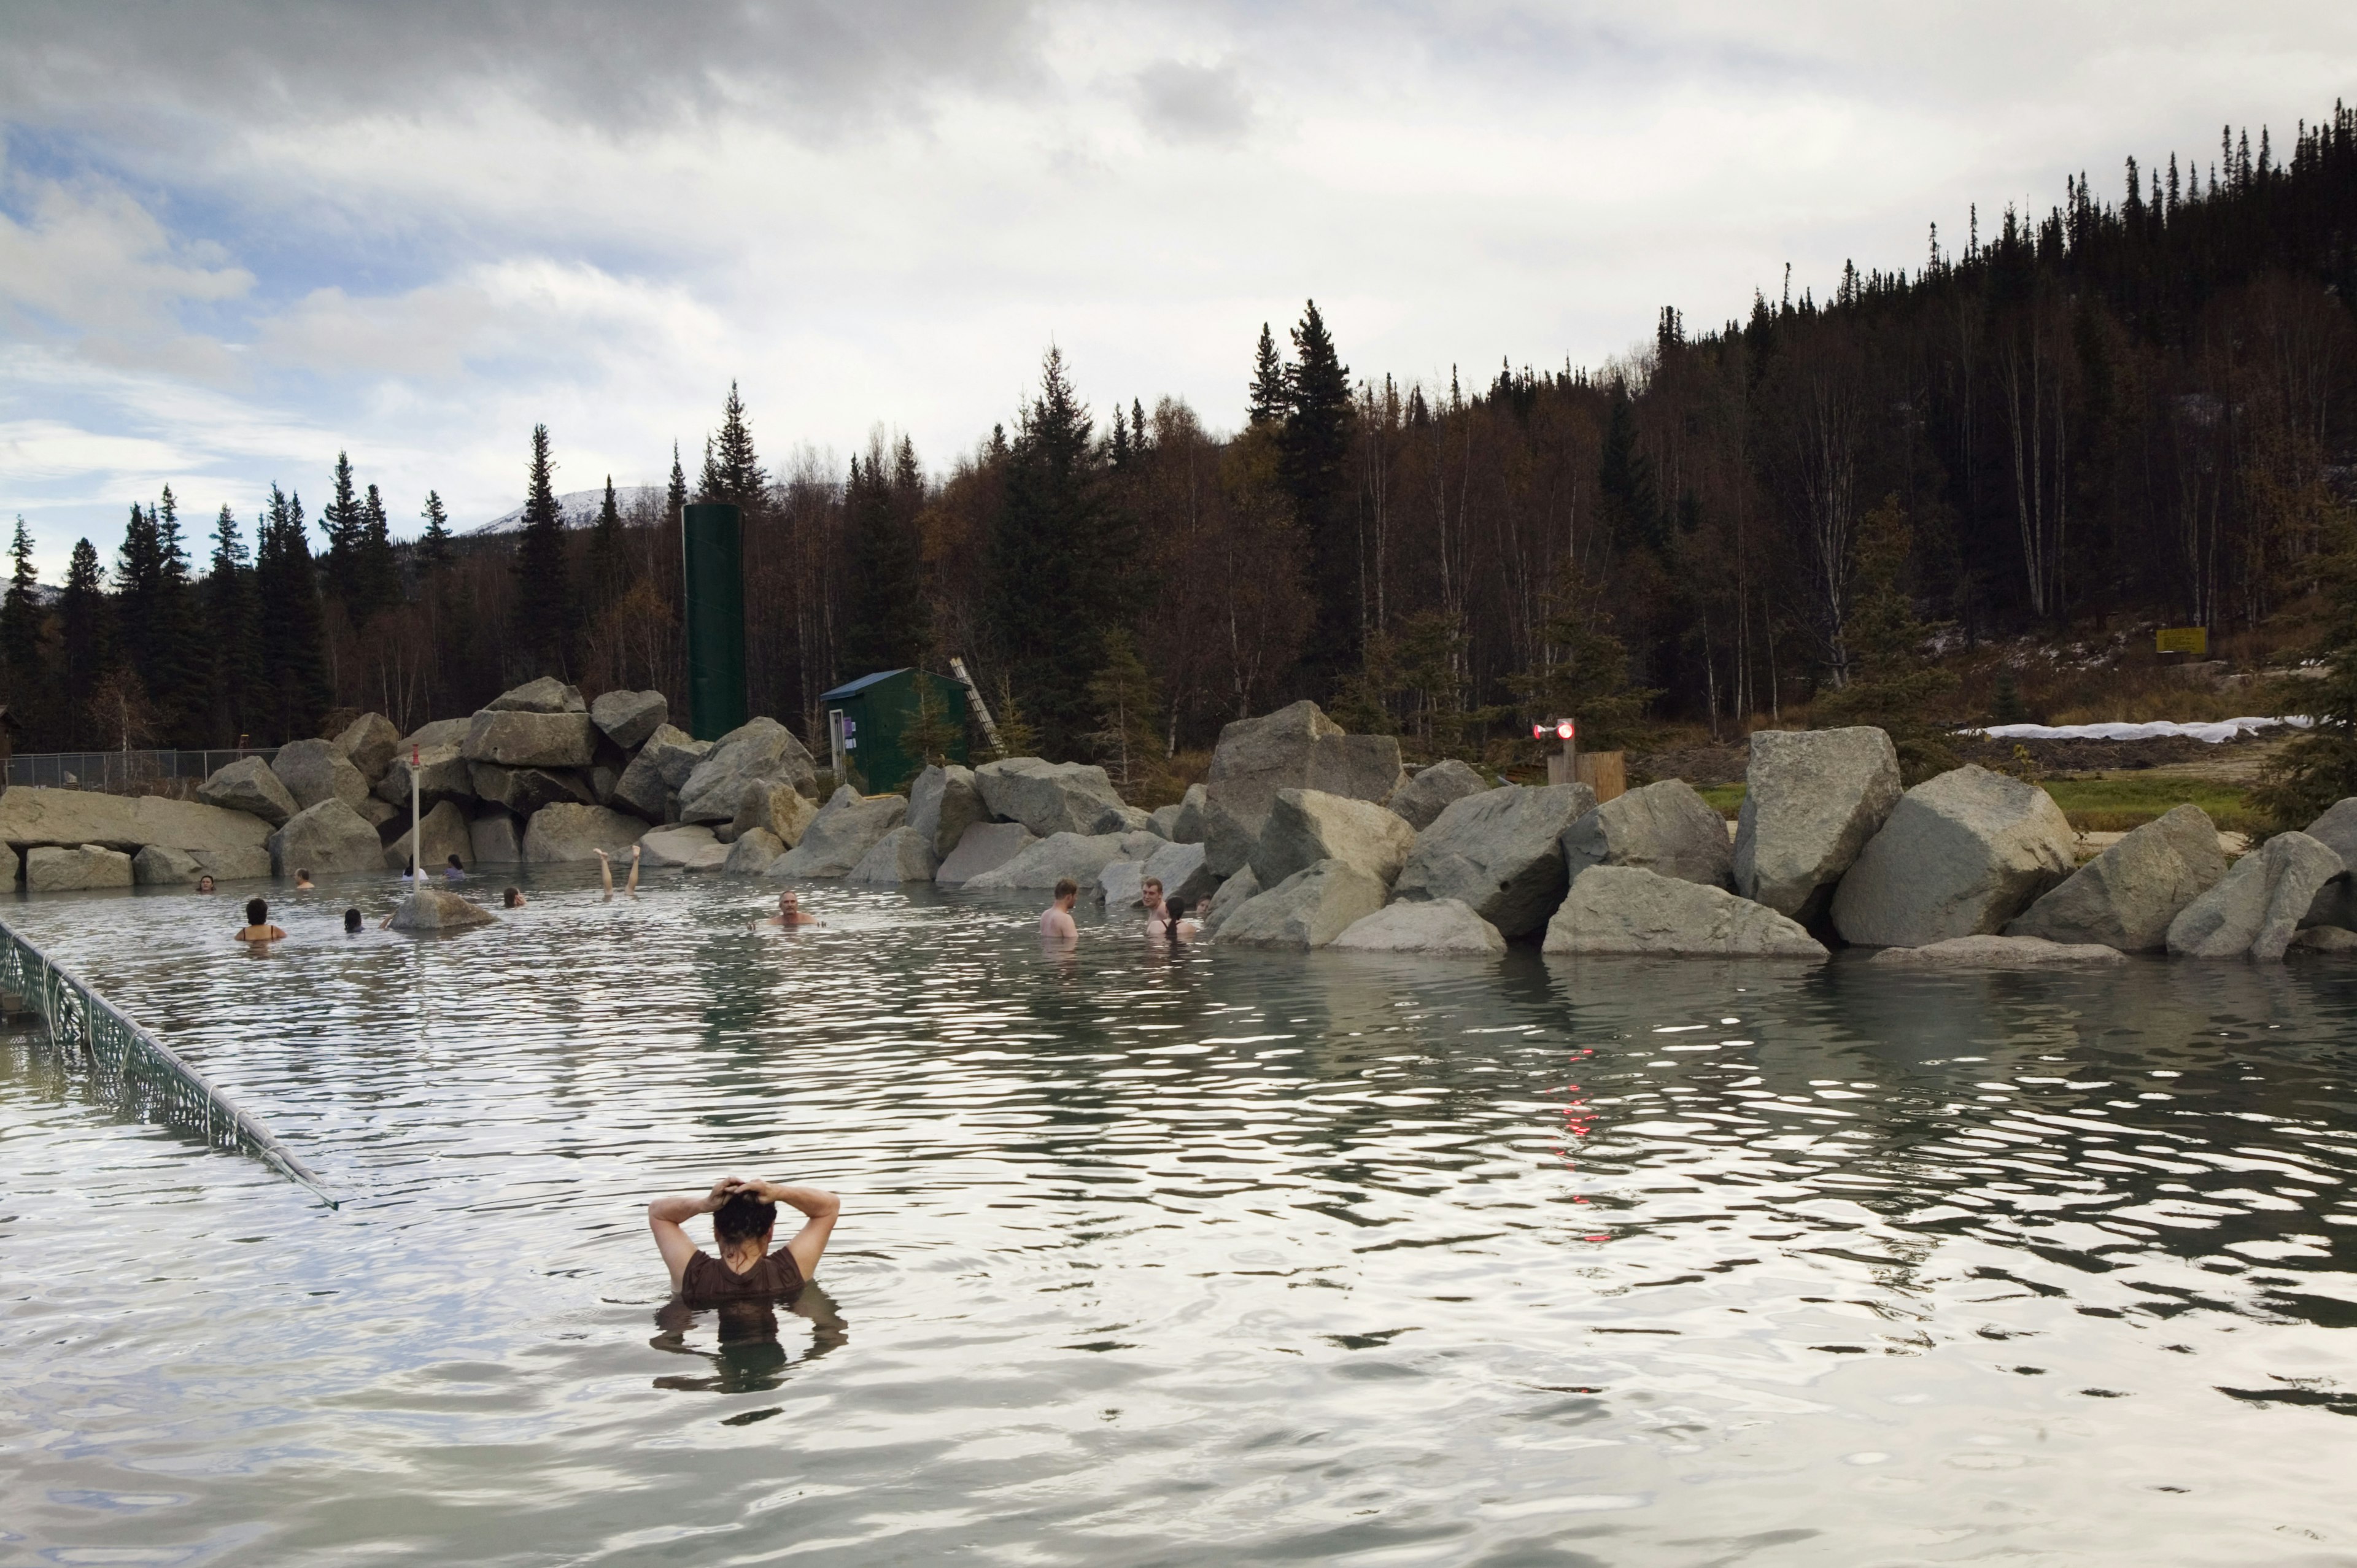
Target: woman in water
column 512, row 898
column 205, row 883
column 351, row 922
column 744, row 1218
column 258, row 929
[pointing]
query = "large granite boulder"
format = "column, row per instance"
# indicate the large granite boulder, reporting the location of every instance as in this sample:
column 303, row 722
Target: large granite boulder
column 1960, row 855
column 1999, row 952
column 439, row 909
column 985, row 846
column 1183, row 871
column 1628, row 909
column 50, row 868
column 659, row 770
column 1081, row 856
column 329, row 837
column 1234, row 894
column 30, row 814
column 380, row 813
column 2127, row 896
column 530, row 738
column 546, row 695
column 1499, row 852
column 689, row 846
column 776, row 808
column 2338, row 940
column 1308, row 909
column 944, row 801
column 442, row 775
column 2336, row 904
column 762, row 751
column 1664, row 828
column 524, row 791
column 571, row 834
column 157, row 866
column 628, row 717
column 1121, row 885
column 1438, row 926
column 904, row 854
column 444, row 830
column 2257, row 906
column 1187, row 823
column 436, row 732
column 1305, row 826
column 1813, row 799
column 839, row 837
column 248, row 785
column 313, row 770
column 370, row 742
column 1296, row 748
column 492, row 840
column 1051, row 798
column 752, row 852
column 245, row 863
column 1426, row 796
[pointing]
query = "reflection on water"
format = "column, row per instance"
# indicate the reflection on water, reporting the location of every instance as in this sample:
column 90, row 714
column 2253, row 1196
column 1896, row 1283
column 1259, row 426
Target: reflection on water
column 1172, row 1258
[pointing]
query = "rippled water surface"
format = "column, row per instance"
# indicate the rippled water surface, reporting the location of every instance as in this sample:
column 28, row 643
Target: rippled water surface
column 1232, row 1257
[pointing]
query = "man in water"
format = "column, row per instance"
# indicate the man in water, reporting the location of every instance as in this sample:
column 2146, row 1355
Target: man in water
column 790, row 911
column 744, row 1218
column 303, row 883
column 258, row 929
column 1165, row 922
column 606, row 873
column 1056, row 920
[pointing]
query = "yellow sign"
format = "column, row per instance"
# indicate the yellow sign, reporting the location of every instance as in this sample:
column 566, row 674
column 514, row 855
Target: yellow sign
column 2183, row 640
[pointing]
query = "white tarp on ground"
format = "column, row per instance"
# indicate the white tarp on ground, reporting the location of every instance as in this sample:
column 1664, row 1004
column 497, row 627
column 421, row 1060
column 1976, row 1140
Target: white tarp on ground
column 2222, row 729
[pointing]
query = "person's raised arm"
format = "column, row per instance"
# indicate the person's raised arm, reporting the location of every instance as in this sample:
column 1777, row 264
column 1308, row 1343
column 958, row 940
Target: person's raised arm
column 666, row 1215
column 819, row 1208
column 606, row 873
column 633, row 888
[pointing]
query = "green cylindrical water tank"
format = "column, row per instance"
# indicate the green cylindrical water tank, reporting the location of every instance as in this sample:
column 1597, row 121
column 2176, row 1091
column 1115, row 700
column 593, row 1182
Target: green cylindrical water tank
column 712, row 533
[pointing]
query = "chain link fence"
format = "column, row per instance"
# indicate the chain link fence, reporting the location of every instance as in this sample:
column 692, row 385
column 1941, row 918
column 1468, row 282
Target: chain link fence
column 126, row 772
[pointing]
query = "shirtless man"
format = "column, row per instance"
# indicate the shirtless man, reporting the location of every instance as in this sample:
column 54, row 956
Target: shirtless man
column 258, row 930
column 606, row 873
column 1164, row 921
column 790, row 911
column 1055, row 922
column 744, row 1218
column 303, row 883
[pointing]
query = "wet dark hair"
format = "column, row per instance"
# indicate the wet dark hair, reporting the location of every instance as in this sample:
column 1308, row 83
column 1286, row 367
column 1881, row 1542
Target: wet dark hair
column 453, row 860
column 512, row 896
column 256, row 911
column 352, row 919
column 743, row 1218
column 1066, row 887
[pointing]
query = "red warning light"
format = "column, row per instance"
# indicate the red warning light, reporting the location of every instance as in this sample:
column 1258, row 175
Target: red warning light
column 1538, row 732
column 1566, row 729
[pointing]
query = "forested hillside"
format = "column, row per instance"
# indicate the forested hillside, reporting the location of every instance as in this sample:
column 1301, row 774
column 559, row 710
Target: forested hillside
column 2136, row 407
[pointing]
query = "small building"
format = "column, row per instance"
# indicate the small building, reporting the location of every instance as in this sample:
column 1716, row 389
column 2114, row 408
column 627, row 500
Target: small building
column 873, row 726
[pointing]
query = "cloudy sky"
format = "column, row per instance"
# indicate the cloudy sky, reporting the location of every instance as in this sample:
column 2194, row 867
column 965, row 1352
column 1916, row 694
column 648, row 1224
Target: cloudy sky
column 237, row 236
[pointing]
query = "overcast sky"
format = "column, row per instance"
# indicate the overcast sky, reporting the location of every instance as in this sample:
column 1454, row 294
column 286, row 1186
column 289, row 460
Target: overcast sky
column 237, row 237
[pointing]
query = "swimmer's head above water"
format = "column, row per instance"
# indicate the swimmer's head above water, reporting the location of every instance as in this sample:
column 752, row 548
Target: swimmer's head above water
column 512, row 898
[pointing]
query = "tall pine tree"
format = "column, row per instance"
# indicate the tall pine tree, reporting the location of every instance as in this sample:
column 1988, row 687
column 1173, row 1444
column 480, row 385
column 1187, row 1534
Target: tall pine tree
column 291, row 625
column 85, row 618
column 889, row 620
column 540, row 624
column 375, row 573
column 239, row 698
column 178, row 666
column 609, row 565
column 1313, row 464
column 20, row 632
column 731, row 471
column 341, row 521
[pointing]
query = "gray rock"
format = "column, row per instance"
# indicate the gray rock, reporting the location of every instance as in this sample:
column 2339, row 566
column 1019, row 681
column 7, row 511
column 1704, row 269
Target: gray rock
column 691, row 847
column 328, row 838
column 546, row 695
column 775, row 807
column 370, row 741
column 2257, row 906
column 1627, row 909
column 1051, row 798
column 752, row 853
column 2336, row 903
column 157, row 866
column 661, row 766
column 445, row 831
column 247, row 864
column 1130, row 819
column 1180, row 869
column 1296, row 748
column 1164, row 820
column 1439, row 926
column 1121, row 885
column 904, row 854
column 1186, row 826
column 50, row 868
column 1960, row 855
column 1305, row 826
column 840, row 836
column 762, row 751
column 1499, row 852
column 628, row 717
column 30, row 814
column 1426, row 796
column 442, row 775
column 248, row 785
column 524, row 791
column 1812, row 800
column 944, row 802
column 1081, row 856
column 492, row 840
column 313, row 770
column 1308, row 909
column 1234, row 894
column 1664, row 828
column 439, row 909
column 603, row 778
column 2324, row 939
column 571, row 834
column 380, row 813
column 2125, row 897
column 530, row 738
column 985, row 846
column 436, row 732
column 1999, row 952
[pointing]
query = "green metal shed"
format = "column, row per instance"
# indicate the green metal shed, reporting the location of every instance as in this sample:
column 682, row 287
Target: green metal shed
column 869, row 721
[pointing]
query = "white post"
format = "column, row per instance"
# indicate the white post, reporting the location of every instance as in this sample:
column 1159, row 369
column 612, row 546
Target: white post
column 416, row 865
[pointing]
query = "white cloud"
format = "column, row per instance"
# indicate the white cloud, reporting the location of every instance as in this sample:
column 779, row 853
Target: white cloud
column 89, row 257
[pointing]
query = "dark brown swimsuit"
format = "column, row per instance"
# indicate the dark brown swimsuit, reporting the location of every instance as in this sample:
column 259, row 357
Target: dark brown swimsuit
column 707, row 1281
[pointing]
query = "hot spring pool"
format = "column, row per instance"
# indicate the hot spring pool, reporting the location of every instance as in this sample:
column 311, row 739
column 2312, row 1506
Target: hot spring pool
column 1234, row 1258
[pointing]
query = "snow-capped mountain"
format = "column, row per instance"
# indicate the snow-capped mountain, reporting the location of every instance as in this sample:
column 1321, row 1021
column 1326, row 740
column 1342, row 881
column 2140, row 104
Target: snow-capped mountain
column 578, row 508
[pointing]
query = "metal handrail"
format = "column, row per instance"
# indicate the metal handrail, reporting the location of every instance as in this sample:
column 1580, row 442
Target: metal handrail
column 134, row 1069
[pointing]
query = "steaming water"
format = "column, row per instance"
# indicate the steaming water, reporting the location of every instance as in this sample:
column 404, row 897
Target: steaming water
column 1228, row 1258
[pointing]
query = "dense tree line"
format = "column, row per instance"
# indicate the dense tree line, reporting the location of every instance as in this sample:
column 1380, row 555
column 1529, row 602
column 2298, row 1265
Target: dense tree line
column 2132, row 409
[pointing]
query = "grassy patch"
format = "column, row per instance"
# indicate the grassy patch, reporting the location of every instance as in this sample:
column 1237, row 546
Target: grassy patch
column 2115, row 805
column 1726, row 799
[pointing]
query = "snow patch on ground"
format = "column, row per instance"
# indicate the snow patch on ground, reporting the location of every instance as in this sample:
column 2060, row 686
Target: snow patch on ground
column 2215, row 731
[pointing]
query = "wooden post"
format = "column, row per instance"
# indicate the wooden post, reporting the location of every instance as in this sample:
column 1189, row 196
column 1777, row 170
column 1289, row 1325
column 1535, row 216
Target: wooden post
column 1607, row 773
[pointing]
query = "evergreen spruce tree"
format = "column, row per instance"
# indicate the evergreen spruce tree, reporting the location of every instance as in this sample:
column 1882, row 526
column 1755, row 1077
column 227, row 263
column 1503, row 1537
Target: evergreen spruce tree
column 1270, row 397
column 375, row 571
column 176, row 676
column 292, row 625
column 928, row 734
column 84, row 627
column 1624, row 479
column 675, row 497
column 1127, row 707
column 435, row 553
column 540, row 622
column 238, row 696
column 2319, row 767
column 609, row 564
column 341, row 521
column 1892, row 685
column 887, row 617
column 731, row 471
column 1314, row 465
column 20, row 633
column 138, row 578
